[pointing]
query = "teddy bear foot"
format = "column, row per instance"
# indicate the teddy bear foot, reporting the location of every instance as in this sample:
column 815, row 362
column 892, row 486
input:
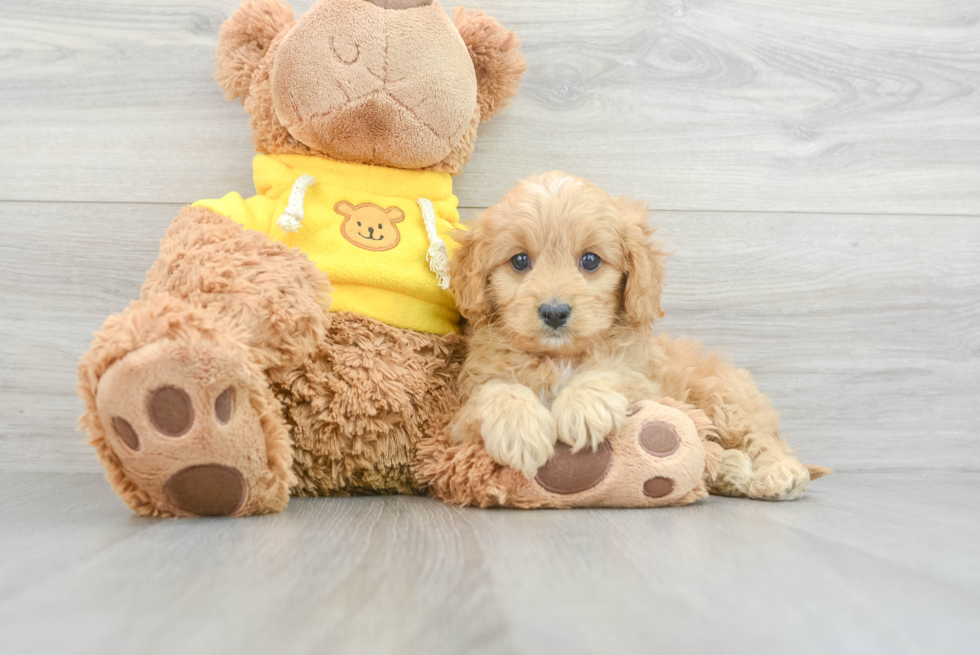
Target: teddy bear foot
column 189, row 424
column 660, row 457
column 657, row 459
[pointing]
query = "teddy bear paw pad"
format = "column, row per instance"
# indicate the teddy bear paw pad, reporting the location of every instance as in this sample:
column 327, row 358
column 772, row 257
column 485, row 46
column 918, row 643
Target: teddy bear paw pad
column 571, row 473
column 207, row 489
column 658, row 487
column 659, row 438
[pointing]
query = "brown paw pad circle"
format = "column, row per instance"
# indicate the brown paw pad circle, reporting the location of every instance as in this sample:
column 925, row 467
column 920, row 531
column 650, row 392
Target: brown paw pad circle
column 568, row 473
column 658, row 487
column 171, row 411
column 659, row 438
column 224, row 405
column 126, row 432
column 207, row 490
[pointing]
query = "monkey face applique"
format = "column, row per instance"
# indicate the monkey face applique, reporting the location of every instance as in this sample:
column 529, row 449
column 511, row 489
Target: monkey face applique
column 369, row 226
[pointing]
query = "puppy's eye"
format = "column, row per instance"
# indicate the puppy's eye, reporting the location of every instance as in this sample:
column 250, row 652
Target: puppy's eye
column 520, row 262
column 379, row 226
column 358, row 224
column 590, row 261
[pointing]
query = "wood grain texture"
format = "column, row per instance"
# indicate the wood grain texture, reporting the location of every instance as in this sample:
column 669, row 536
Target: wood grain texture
column 865, row 563
column 865, row 330
column 821, row 165
column 712, row 105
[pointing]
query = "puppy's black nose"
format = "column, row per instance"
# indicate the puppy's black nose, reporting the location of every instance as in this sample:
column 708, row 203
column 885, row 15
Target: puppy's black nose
column 554, row 316
column 370, row 230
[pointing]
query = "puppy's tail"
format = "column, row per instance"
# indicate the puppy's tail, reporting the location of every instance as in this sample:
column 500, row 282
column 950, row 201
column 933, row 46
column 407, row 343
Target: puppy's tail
column 817, row 471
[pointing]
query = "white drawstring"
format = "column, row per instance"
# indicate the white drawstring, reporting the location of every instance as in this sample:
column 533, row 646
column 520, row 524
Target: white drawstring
column 438, row 253
column 292, row 217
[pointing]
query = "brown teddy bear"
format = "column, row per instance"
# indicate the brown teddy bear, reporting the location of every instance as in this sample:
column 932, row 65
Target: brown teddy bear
column 228, row 385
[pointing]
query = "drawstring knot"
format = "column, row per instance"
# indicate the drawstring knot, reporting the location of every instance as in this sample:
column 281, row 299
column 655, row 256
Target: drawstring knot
column 438, row 253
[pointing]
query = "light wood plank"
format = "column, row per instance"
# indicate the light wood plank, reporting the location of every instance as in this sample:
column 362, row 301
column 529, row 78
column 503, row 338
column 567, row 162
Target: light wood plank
column 865, row 330
column 410, row 575
column 55, row 521
column 928, row 521
column 719, row 105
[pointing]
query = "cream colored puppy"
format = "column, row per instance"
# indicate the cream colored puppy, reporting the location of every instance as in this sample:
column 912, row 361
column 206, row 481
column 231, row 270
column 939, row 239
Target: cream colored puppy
column 560, row 284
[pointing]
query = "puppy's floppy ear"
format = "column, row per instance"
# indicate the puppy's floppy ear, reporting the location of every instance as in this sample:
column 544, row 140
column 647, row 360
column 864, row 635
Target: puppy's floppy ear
column 496, row 56
column 644, row 265
column 244, row 40
column 469, row 270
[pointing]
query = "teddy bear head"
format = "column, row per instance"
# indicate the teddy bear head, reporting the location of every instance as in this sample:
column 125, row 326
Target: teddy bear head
column 387, row 82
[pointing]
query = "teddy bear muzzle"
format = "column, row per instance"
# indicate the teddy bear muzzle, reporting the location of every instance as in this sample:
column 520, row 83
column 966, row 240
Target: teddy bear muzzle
column 369, row 81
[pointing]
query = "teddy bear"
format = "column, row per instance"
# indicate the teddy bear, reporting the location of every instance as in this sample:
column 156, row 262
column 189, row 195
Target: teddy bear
column 272, row 352
column 305, row 340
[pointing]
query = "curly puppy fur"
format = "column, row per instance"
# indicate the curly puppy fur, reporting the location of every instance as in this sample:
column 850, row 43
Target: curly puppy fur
column 527, row 384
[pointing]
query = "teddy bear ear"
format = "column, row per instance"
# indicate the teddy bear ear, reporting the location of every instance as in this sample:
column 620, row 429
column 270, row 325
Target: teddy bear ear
column 344, row 208
column 395, row 215
column 244, row 40
column 496, row 56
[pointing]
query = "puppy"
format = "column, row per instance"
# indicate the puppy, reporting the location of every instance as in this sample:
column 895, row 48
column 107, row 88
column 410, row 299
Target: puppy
column 560, row 284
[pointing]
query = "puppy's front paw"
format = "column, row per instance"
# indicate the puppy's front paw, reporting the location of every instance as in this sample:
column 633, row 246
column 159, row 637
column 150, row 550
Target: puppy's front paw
column 786, row 479
column 587, row 414
column 520, row 432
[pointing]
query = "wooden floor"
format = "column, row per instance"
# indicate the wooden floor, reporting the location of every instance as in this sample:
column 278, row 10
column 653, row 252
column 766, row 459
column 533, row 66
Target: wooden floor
column 814, row 168
column 868, row 563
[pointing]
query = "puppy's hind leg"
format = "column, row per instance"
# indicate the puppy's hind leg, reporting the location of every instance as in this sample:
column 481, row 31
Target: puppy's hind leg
column 757, row 464
column 768, row 477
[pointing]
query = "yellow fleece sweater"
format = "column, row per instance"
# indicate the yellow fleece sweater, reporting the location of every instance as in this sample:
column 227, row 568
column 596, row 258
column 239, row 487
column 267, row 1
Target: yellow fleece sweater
column 366, row 228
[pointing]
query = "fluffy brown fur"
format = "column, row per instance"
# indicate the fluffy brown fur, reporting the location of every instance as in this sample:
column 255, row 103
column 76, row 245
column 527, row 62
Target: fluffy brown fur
column 527, row 385
column 269, row 290
column 361, row 403
column 356, row 395
column 227, row 313
column 244, row 40
column 213, row 290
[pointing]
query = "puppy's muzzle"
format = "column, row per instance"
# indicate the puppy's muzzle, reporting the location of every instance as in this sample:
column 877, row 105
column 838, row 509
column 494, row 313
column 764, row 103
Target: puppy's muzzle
column 555, row 316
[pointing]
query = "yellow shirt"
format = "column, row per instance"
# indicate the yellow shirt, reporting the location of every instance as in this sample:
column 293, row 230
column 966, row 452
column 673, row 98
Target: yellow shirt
column 364, row 227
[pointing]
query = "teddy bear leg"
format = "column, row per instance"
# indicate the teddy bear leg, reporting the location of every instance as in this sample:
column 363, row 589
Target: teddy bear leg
column 660, row 457
column 178, row 403
column 183, row 419
column 363, row 401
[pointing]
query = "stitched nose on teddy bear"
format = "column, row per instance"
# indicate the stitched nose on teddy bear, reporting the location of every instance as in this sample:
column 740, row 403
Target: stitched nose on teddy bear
column 400, row 4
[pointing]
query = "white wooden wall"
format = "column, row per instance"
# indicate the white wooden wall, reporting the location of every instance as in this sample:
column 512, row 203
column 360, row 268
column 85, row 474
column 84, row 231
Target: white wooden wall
column 815, row 168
